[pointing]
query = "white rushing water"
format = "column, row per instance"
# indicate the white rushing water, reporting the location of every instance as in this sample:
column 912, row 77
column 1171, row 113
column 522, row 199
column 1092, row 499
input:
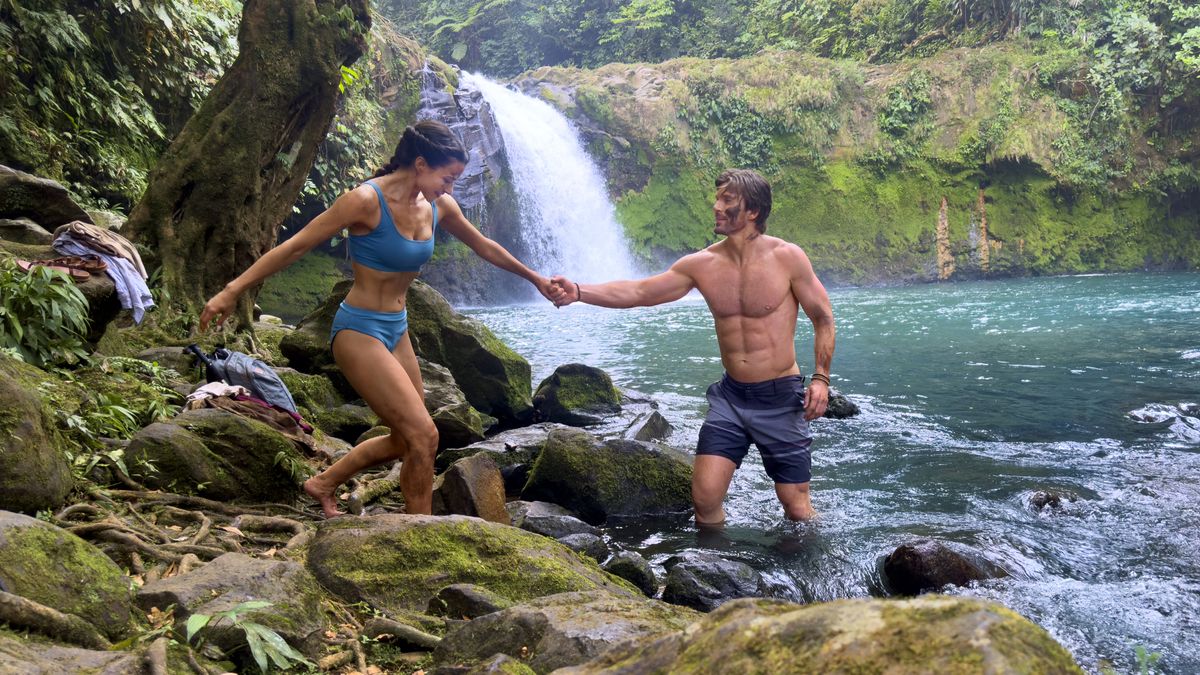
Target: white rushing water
column 569, row 226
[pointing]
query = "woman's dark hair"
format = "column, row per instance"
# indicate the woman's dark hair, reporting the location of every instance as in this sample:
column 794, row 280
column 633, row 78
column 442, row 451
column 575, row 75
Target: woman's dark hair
column 429, row 139
column 754, row 190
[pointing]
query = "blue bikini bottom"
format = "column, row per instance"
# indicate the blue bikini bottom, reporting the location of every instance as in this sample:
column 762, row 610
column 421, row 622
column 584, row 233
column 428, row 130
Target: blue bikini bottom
column 387, row 327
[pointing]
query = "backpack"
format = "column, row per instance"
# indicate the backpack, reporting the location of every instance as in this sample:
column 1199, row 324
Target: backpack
column 236, row 368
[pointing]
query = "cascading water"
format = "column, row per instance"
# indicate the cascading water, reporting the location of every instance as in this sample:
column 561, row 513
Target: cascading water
column 569, row 226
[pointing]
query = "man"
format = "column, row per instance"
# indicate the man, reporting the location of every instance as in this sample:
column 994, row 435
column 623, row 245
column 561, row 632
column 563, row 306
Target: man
column 754, row 285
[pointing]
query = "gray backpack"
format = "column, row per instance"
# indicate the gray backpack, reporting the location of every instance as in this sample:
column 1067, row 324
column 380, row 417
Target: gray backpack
column 243, row 370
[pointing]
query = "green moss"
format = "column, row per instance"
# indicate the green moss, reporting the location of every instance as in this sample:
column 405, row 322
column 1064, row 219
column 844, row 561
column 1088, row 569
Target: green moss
column 294, row 292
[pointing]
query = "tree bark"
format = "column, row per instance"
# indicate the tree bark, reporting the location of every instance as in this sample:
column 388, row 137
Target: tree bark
column 216, row 198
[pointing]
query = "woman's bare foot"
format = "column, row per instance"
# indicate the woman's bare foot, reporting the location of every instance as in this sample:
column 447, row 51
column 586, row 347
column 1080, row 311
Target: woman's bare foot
column 318, row 491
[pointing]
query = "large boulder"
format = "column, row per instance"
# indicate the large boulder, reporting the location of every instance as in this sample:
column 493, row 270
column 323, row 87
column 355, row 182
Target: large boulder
column 42, row 200
column 397, row 563
column 705, row 581
column 560, row 630
column 931, row 634
column 34, row 472
column 495, row 379
column 24, row 231
column 576, row 394
column 472, row 486
column 307, row 347
column 53, row 567
column 598, row 479
column 509, row 449
column 219, row 455
column 458, row 422
column 929, row 565
column 235, row 578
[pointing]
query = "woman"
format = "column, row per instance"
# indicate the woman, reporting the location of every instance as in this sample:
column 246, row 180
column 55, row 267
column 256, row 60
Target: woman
column 392, row 220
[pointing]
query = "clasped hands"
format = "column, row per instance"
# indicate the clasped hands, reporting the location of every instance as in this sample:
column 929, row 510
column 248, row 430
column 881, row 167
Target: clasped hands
column 560, row 290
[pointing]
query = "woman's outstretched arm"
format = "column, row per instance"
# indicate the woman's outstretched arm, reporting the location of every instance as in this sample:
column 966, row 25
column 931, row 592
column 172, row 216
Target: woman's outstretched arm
column 451, row 218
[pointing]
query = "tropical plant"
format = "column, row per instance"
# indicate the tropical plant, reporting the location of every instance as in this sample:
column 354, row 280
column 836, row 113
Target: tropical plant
column 264, row 643
column 43, row 316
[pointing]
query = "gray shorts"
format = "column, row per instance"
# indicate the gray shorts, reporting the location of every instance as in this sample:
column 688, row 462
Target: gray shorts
column 769, row 414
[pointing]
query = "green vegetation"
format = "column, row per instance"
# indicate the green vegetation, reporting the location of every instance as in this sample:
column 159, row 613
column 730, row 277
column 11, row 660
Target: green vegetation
column 43, row 316
column 264, row 643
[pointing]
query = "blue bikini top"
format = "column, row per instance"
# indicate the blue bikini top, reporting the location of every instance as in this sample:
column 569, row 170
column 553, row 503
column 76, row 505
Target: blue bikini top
column 385, row 249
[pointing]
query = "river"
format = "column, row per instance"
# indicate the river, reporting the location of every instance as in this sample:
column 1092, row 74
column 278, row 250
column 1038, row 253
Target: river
column 974, row 395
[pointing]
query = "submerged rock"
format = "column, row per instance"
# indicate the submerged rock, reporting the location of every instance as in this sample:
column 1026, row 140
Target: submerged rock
column 598, row 479
column 704, row 581
column 929, row 565
column 576, row 394
column 931, row 634
column 1052, row 499
column 840, row 407
column 399, row 562
column 53, row 567
column 560, row 630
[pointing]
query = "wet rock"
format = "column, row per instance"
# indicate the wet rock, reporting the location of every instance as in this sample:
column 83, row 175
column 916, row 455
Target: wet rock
column 704, row 581
column 576, row 394
column 514, row 447
column 1052, row 499
column 399, row 562
column 930, row 634
column 546, row 519
column 635, row 569
column 560, row 630
column 24, row 231
column 466, row 601
column 597, row 479
column 216, row 454
column 587, row 544
column 34, row 473
column 930, row 565
column 53, row 567
column 651, row 426
column 840, row 407
column 472, row 486
column 234, row 578
column 42, row 200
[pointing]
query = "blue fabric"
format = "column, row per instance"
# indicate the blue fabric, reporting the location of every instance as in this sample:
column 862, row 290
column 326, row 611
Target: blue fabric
column 132, row 291
column 769, row 414
column 387, row 327
column 385, row 249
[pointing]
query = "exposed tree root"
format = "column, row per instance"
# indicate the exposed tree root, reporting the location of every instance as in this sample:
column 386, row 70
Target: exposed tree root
column 335, row 661
column 402, row 632
column 27, row 614
column 369, row 491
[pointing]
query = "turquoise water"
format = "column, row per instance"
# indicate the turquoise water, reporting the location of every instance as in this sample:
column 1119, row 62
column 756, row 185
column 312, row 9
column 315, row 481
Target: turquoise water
column 974, row 395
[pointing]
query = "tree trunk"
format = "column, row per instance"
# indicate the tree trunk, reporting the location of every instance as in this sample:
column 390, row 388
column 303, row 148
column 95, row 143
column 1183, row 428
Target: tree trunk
column 216, row 198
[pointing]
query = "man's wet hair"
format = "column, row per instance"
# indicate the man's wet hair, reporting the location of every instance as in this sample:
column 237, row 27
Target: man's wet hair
column 754, row 190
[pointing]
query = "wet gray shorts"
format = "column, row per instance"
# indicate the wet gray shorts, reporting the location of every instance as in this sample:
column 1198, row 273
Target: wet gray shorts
column 769, row 414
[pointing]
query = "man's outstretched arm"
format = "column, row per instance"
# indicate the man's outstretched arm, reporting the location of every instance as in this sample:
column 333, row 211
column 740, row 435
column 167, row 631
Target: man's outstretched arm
column 656, row 290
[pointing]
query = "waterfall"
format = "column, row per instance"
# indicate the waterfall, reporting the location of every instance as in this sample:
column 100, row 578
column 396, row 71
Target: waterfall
column 568, row 223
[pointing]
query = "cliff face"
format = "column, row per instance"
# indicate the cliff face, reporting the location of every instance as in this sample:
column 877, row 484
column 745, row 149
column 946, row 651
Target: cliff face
column 864, row 160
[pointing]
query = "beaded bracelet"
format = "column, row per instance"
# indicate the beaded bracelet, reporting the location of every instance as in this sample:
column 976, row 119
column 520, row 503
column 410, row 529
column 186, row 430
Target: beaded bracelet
column 819, row 377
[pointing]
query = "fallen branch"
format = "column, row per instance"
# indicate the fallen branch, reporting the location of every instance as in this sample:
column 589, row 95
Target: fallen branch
column 369, row 491
column 25, row 613
column 335, row 661
column 402, row 632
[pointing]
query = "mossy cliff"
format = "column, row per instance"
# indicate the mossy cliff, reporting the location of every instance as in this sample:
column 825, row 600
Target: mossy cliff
column 861, row 157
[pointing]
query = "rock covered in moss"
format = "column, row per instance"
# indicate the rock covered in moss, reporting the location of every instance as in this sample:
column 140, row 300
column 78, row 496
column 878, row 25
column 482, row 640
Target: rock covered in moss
column 458, row 422
column 234, row 578
column 704, row 581
column 42, row 200
column 219, row 455
column 494, row 378
column 929, row 565
column 34, row 473
column 932, row 634
column 560, row 630
column 399, row 562
column 597, row 479
column 576, row 394
column 466, row 601
column 53, row 567
column 510, row 448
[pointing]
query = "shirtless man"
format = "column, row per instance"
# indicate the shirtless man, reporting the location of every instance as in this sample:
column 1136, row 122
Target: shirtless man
column 755, row 286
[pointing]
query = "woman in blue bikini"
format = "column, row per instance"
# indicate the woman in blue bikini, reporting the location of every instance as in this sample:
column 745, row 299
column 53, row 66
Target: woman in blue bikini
column 392, row 220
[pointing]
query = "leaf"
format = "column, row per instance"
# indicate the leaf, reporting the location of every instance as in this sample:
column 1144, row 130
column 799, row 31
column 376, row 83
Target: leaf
column 254, row 641
column 251, row 604
column 195, row 623
column 459, row 51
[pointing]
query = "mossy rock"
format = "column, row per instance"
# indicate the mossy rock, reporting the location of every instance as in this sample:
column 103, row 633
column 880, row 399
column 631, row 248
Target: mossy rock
column 576, row 394
column 28, row 655
column 494, row 378
column 597, row 479
column 53, row 567
column 42, row 200
column 400, row 562
column 314, row 392
column 561, row 630
column 216, row 454
column 34, row 472
column 307, row 347
column 931, row 634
